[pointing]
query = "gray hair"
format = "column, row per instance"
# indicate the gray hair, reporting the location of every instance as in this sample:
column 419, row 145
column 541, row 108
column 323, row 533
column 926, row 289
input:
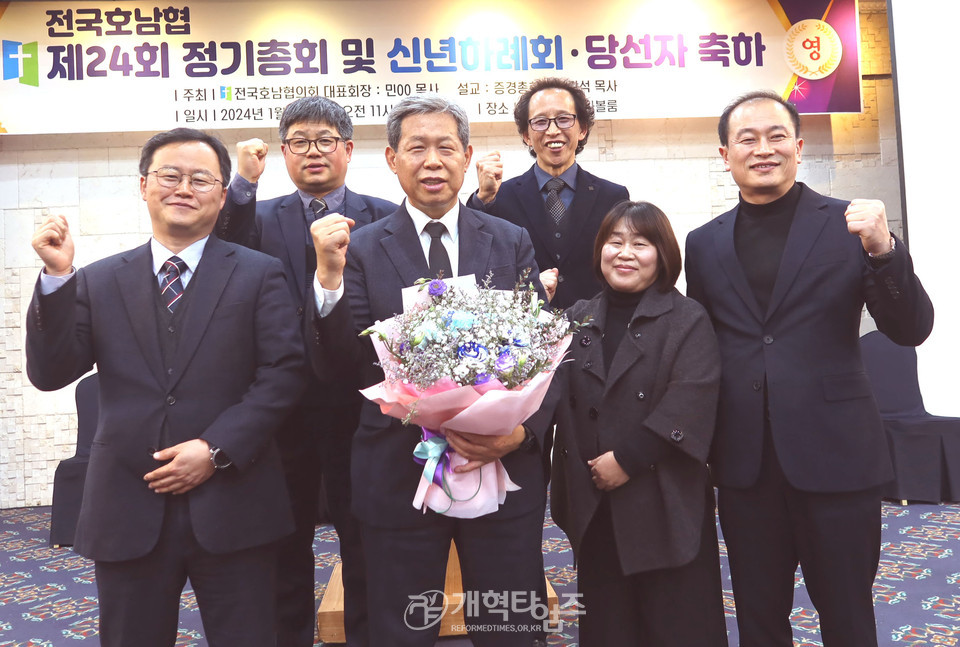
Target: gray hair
column 315, row 110
column 426, row 104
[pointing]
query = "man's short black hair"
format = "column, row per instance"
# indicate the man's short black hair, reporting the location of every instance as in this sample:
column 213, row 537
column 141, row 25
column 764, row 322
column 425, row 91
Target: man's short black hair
column 723, row 127
column 585, row 113
column 180, row 135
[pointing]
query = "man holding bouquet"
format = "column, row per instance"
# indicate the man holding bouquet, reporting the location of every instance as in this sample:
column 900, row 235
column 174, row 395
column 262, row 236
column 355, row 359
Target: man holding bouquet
column 358, row 282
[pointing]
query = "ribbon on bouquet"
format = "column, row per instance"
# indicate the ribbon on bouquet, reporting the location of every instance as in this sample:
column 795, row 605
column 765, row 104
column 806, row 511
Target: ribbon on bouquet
column 434, row 453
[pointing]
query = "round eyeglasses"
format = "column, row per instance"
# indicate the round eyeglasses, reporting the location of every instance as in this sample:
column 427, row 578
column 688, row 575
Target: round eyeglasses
column 301, row 146
column 171, row 178
column 542, row 123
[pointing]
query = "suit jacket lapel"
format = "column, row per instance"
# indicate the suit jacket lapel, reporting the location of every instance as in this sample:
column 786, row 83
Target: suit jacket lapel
column 653, row 304
column 402, row 246
column 290, row 222
column 810, row 218
column 537, row 221
column 138, row 290
column 355, row 208
column 581, row 210
column 475, row 245
column 216, row 266
column 727, row 255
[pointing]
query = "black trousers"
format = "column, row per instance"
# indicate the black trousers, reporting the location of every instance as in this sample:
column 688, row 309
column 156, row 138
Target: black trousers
column 315, row 447
column 140, row 598
column 502, row 566
column 669, row 607
column 772, row 527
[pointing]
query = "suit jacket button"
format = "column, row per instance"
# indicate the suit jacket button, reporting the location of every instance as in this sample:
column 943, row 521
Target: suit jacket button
column 558, row 234
column 171, row 400
column 300, row 311
column 640, row 395
column 560, row 278
column 563, row 451
column 171, row 329
column 593, row 413
column 757, row 385
column 676, row 435
column 636, row 335
column 585, row 341
column 587, row 364
column 768, row 339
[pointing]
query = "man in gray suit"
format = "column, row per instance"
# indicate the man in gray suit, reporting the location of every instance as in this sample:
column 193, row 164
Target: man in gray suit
column 406, row 549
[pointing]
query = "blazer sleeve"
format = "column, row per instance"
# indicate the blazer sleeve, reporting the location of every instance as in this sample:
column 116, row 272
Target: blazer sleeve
column 243, row 430
column 685, row 416
column 237, row 223
column 337, row 352
column 897, row 301
column 58, row 344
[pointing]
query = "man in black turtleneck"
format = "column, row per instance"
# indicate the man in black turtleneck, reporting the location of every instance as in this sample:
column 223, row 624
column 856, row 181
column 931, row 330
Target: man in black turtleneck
column 799, row 452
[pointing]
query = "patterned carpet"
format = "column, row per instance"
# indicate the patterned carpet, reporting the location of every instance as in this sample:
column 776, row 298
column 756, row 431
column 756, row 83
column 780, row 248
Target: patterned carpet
column 48, row 597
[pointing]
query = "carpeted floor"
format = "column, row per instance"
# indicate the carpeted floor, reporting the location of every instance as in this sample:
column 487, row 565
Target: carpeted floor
column 48, row 597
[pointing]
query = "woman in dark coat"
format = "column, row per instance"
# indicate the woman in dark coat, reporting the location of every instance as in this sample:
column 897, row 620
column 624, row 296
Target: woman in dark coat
column 634, row 408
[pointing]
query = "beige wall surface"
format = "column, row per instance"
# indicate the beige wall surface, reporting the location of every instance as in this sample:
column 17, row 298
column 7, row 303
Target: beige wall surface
column 92, row 179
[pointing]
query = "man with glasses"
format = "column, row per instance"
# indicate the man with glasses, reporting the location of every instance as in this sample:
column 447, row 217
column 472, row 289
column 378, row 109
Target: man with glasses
column 315, row 442
column 360, row 279
column 198, row 364
column 556, row 201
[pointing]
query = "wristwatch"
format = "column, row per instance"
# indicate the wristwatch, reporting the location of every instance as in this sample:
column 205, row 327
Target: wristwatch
column 876, row 260
column 218, row 459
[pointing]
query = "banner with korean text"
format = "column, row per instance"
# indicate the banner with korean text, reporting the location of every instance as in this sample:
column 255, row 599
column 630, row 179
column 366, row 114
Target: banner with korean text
column 118, row 66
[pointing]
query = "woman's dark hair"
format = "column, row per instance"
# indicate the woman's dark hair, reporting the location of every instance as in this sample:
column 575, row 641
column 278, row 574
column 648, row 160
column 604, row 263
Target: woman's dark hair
column 650, row 222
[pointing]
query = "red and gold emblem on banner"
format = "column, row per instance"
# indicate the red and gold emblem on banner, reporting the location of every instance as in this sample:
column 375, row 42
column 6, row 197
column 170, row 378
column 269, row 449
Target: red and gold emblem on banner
column 813, row 49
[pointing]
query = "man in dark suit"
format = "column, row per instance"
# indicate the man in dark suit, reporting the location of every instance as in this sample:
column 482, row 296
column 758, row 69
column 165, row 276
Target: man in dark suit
column 315, row 440
column 556, row 201
column 198, row 365
column 800, row 450
column 406, row 549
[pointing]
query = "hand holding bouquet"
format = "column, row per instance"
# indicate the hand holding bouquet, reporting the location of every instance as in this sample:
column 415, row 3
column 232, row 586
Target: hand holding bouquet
column 471, row 359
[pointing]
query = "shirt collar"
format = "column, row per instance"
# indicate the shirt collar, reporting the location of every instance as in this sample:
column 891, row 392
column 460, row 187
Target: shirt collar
column 450, row 220
column 190, row 255
column 569, row 176
column 333, row 199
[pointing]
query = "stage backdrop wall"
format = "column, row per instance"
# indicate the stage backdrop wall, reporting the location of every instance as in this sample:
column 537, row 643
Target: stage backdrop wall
column 91, row 177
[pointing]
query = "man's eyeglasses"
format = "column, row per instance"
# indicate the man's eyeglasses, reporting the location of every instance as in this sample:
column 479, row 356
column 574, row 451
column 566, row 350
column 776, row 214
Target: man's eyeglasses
column 542, row 123
column 301, row 146
column 171, row 178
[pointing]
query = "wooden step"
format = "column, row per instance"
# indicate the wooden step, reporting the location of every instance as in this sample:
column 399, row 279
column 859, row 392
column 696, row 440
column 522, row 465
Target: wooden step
column 330, row 613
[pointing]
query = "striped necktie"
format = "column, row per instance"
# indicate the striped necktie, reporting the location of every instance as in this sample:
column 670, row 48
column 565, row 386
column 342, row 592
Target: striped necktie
column 171, row 287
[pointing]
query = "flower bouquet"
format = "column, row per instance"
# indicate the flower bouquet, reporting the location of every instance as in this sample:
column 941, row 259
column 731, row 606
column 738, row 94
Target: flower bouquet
column 465, row 358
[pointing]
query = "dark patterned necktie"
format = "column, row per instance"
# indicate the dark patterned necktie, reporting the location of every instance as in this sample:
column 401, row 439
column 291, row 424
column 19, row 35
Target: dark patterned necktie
column 319, row 206
column 555, row 206
column 439, row 260
column 171, row 287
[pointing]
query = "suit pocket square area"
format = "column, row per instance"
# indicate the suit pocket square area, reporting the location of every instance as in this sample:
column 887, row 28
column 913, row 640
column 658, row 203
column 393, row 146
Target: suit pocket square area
column 846, row 387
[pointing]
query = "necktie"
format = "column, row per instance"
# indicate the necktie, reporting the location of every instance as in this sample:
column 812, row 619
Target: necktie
column 319, row 206
column 171, row 287
column 555, row 206
column 439, row 261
